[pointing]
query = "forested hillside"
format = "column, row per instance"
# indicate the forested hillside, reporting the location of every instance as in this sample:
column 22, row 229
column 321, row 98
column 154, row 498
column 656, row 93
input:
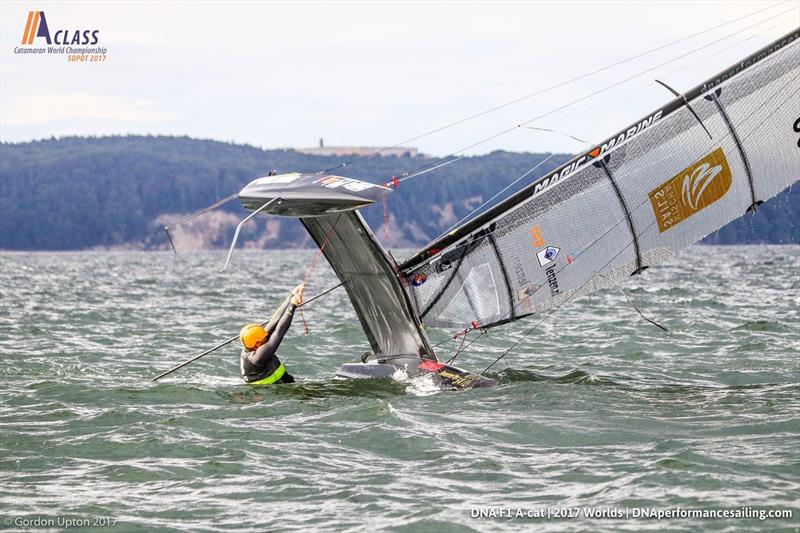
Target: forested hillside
column 80, row 193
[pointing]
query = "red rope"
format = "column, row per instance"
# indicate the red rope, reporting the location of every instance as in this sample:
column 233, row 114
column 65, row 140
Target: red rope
column 391, row 183
column 313, row 265
column 386, row 219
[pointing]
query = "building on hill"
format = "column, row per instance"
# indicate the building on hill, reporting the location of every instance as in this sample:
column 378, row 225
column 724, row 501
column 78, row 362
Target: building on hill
column 399, row 151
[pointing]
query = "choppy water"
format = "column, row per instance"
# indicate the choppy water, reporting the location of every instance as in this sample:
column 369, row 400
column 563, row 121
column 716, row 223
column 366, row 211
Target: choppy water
column 597, row 409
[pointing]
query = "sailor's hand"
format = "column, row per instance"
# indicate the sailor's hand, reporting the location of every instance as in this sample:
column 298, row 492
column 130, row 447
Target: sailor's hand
column 297, row 294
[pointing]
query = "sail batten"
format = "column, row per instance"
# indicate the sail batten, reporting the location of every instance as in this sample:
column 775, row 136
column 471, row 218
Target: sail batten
column 679, row 174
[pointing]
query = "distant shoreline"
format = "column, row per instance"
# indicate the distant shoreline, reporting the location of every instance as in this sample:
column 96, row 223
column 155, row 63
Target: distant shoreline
column 116, row 193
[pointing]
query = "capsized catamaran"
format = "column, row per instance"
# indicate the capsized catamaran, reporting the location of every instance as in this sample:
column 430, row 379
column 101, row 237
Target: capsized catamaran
column 683, row 171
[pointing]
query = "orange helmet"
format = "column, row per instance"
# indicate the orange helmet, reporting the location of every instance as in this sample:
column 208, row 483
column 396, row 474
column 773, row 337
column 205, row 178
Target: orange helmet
column 252, row 336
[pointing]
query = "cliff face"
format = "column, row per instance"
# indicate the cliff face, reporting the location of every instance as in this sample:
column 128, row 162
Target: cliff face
column 117, row 192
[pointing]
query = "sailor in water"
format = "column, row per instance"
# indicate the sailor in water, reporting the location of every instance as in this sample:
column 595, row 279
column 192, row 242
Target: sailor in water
column 259, row 363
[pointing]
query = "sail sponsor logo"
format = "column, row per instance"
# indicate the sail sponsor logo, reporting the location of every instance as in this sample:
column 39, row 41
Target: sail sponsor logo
column 524, row 295
column 536, row 237
column 796, row 129
column 691, row 191
column 419, row 279
column 570, row 169
column 630, row 132
column 746, row 63
column 547, row 255
column 552, row 280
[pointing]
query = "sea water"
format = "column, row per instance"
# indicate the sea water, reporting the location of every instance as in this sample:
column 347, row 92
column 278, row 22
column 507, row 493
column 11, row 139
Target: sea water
column 601, row 421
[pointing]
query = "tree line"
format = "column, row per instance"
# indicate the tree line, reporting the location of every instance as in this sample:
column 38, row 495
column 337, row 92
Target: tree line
column 79, row 193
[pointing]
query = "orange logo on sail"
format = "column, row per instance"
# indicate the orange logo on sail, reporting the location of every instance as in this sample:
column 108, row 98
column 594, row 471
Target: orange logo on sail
column 536, row 236
column 694, row 189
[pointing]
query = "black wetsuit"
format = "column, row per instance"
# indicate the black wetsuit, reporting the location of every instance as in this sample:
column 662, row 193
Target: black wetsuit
column 261, row 363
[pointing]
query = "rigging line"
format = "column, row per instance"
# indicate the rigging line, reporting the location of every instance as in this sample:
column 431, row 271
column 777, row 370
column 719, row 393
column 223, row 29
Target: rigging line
column 628, row 97
column 644, row 202
column 609, row 87
column 577, row 291
column 314, row 261
column 215, row 205
column 460, row 347
column 448, row 339
column 550, row 88
column 599, row 273
column 470, row 215
column 595, row 93
column 475, row 211
column 636, row 92
column 561, row 132
column 190, row 216
column 408, row 174
column 631, row 302
column 666, row 158
column 463, row 348
column 313, row 265
column 568, row 299
column 484, row 204
column 530, row 330
column 777, row 108
column 726, row 135
column 405, row 176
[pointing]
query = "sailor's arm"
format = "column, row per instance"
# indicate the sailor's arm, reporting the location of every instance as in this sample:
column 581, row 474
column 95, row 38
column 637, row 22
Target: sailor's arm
column 269, row 348
column 273, row 322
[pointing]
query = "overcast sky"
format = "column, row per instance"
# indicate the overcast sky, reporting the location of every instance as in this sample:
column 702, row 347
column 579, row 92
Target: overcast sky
column 368, row 73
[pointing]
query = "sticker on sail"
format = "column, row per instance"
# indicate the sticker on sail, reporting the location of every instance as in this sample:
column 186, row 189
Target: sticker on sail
column 419, row 279
column 442, row 265
column 547, row 255
column 552, row 280
column 524, row 295
column 536, row 237
column 691, row 191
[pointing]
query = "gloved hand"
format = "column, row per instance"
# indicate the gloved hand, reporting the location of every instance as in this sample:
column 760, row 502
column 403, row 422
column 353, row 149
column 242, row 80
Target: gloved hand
column 297, row 294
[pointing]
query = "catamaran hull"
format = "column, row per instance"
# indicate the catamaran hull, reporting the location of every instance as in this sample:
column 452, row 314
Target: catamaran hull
column 326, row 205
column 446, row 377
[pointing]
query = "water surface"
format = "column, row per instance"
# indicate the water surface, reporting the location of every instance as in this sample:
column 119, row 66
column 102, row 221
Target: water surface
column 596, row 407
